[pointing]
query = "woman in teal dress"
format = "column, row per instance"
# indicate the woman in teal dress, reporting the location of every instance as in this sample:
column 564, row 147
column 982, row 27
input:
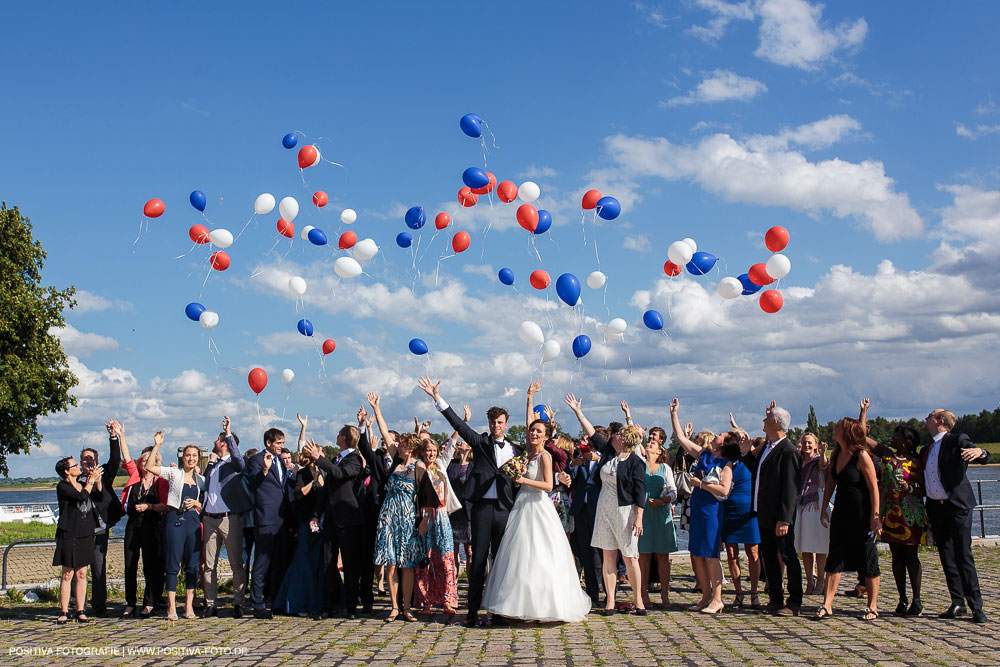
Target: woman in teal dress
column 658, row 537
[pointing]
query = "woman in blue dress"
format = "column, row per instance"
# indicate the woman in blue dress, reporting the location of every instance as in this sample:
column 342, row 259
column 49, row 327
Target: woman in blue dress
column 713, row 476
column 299, row 593
column 739, row 523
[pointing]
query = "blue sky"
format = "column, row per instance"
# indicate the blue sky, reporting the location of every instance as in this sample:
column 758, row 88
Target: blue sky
column 868, row 130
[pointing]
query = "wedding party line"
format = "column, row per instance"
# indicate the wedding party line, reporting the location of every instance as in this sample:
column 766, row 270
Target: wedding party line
column 550, row 528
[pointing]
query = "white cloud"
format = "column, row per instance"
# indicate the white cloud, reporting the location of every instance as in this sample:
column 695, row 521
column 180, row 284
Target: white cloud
column 637, row 242
column 721, row 86
column 88, row 302
column 987, row 107
column 979, row 130
column 479, row 269
column 791, row 34
column 538, row 172
column 652, row 15
column 724, row 14
column 80, row 343
column 818, row 134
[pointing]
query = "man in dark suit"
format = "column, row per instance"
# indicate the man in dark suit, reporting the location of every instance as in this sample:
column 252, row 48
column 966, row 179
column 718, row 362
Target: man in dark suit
column 109, row 508
column 225, row 499
column 342, row 520
column 583, row 509
column 491, row 494
column 268, row 479
column 775, row 496
column 949, row 509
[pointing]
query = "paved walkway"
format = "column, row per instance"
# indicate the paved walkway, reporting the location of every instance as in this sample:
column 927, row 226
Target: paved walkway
column 28, row 636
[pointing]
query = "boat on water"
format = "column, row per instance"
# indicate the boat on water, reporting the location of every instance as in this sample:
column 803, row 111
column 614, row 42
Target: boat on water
column 28, row 513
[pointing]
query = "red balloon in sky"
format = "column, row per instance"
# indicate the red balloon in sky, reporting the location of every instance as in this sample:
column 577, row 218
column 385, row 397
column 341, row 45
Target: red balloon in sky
column 154, row 208
column 329, row 345
column 257, row 379
column 539, row 279
column 199, row 234
column 590, row 199
column 460, row 241
column 285, row 228
column 466, row 197
column 442, row 220
column 506, row 191
column 527, row 217
column 776, row 239
column 758, row 274
column 320, row 198
column 488, row 187
column 771, row 301
column 308, row 156
column 671, row 269
column 347, row 240
column 219, row 260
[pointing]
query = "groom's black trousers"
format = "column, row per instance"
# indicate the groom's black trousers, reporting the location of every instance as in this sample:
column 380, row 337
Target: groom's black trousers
column 489, row 520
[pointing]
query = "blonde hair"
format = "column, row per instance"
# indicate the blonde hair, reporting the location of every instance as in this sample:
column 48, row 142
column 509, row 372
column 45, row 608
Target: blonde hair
column 947, row 418
column 565, row 443
column 704, row 439
column 631, row 438
column 422, row 449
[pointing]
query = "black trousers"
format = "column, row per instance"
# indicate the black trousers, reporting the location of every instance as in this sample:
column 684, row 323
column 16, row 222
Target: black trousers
column 771, row 549
column 144, row 537
column 346, row 541
column 952, row 527
column 270, row 560
column 99, row 573
column 489, row 520
column 591, row 559
column 366, row 563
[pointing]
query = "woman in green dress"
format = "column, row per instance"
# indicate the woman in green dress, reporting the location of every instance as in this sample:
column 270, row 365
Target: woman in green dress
column 658, row 537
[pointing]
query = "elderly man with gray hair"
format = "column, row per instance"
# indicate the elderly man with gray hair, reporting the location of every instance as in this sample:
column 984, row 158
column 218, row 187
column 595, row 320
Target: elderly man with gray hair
column 774, row 499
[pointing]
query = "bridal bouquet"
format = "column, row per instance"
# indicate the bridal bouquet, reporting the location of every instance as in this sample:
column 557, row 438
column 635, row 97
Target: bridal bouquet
column 515, row 467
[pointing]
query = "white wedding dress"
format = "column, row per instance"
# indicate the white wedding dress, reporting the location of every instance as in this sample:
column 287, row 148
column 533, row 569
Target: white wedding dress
column 533, row 576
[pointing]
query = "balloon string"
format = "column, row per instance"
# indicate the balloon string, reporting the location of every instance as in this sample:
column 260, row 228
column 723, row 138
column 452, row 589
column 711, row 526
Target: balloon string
column 583, row 226
column 288, row 392
column 193, row 246
column 438, row 269
column 207, row 275
column 430, row 243
column 606, row 298
column 489, row 223
column 533, row 246
column 216, row 353
column 596, row 253
column 274, row 246
column 259, row 421
column 141, row 220
column 245, row 226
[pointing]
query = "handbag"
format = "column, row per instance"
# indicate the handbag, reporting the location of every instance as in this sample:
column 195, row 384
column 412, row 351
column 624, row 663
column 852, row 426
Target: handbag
column 713, row 476
column 682, row 480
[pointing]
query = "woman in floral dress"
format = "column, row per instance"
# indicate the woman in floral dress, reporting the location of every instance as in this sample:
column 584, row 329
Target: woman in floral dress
column 437, row 579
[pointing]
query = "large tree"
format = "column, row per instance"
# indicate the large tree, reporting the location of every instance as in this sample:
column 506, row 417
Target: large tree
column 35, row 378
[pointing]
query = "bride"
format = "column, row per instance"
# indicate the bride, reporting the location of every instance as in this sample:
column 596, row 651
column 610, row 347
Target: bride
column 533, row 577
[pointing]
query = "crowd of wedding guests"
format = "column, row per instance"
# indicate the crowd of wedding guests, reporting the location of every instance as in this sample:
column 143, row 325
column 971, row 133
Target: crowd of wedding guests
column 398, row 513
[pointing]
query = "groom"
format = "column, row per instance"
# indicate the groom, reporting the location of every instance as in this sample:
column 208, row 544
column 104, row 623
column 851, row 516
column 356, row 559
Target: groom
column 491, row 494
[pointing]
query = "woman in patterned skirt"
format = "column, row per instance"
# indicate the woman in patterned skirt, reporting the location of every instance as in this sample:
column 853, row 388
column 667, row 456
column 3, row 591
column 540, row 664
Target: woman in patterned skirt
column 437, row 581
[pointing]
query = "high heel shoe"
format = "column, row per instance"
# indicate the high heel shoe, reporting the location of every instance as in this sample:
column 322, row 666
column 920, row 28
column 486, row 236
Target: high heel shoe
column 738, row 601
column 82, row 617
column 63, row 619
column 755, row 601
column 718, row 610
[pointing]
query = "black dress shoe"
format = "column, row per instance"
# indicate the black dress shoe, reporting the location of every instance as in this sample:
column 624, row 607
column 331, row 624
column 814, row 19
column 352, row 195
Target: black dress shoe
column 978, row 616
column 366, row 609
column 351, row 616
column 607, row 612
column 794, row 607
column 773, row 608
column 471, row 621
column 237, row 611
column 954, row 611
column 916, row 609
column 100, row 613
column 209, row 611
column 263, row 614
column 639, row 612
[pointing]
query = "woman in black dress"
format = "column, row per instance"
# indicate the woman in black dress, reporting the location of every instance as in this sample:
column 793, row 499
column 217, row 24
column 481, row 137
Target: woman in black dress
column 855, row 523
column 74, row 535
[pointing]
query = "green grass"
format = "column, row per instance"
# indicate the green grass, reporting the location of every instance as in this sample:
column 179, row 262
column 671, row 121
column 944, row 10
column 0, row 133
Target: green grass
column 993, row 448
column 46, row 485
column 11, row 532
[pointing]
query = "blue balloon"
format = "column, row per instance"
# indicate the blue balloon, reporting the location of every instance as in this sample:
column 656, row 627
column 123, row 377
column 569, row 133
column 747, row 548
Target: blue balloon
column 608, row 208
column 540, row 412
column 544, row 221
column 305, row 327
column 289, row 140
column 581, row 345
column 701, row 263
column 749, row 287
column 506, row 276
column 194, row 310
column 475, row 178
column 568, row 289
column 415, row 217
column 198, row 200
column 404, row 240
column 471, row 124
column 418, row 347
column 317, row 237
column 653, row 320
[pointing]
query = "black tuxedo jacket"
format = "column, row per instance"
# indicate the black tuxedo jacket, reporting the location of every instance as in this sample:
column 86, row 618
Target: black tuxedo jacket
column 952, row 468
column 343, row 489
column 484, row 463
column 779, row 477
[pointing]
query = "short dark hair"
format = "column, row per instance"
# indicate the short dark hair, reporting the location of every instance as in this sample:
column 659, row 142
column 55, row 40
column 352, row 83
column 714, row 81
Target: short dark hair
column 614, row 427
column 97, row 457
column 494, row 413
column 271, row 434
column 236, row 438
column 731, row 448
column 62, row 466
column 602, row 431
column 250, row 452
column 286, row 450
column 911, row 436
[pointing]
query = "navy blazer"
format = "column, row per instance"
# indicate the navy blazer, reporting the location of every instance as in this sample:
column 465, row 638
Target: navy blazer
column 631, row 473
column 231, row 488
column 952, row 468
column 270, row 498
column 584, row 485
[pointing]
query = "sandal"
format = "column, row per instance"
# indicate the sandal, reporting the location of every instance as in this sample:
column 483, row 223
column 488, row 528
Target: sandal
column 755, row 601
column 189, row 614
column 869, row 615
column 146, row 612
column 82, row 617
column 171, row 617
column 822, row 614
column 129, row 612
column 450, row 611
column 62, row 620
column 408, row 617
column 738, row 601
column 393, row 615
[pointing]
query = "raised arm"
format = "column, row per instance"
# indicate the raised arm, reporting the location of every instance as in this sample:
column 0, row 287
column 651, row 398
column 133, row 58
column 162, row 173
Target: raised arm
column 628, row 414
column 235, row 455
column 302, row 429
column 114, row 460
column 151, row 467
column 533, row 389
column 375, row 401
column 574, row 404
column 477, row 442
column 689, row 447
column 863, row 416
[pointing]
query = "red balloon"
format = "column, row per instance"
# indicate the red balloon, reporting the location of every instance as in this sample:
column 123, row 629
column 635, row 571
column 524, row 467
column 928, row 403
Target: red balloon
column 590, row 199
column 527, row 217
column 539, row 279
column 285, row 228
column 154, row 208
column 758, row 274
column 329, row 345
column 771, row 301
column 308, row 156
column 460, row 241
column 776, row 239
column 257, row 380
column 506, row 191
column 199, row 234
column 489, row 186
column 671, row 269
column 466, row 197
column 347, row 240
column 442, row 220
column 320, row 198
column 219, row 260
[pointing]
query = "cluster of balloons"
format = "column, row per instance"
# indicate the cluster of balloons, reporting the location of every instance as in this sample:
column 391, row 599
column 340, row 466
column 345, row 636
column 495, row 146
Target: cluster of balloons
column 685, row 254
column 608, row 208
column 764, row 273
column 198, row 313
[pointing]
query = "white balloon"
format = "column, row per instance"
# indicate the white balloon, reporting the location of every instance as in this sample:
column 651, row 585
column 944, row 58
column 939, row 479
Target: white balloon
column 616, row 326
column 690, row 242
column 287, row 377
column 304, row 234
column 778, row 266
column 221, row 237
column 208, row 319
column 264, row 204
column 348, row 216
column 288, row 208
column 550, row 350
column 596, row 280
column 531, row 333
column 529, row 191
column 680, row 253
column 729, row 288
column 297, row 284
column 347, row 267
column 365, row 249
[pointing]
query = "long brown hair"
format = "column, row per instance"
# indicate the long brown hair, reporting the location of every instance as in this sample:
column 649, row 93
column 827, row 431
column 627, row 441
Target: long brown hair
column 853, row 435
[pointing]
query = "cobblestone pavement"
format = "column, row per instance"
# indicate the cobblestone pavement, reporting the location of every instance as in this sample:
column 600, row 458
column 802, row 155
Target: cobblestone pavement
column 28, row 635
